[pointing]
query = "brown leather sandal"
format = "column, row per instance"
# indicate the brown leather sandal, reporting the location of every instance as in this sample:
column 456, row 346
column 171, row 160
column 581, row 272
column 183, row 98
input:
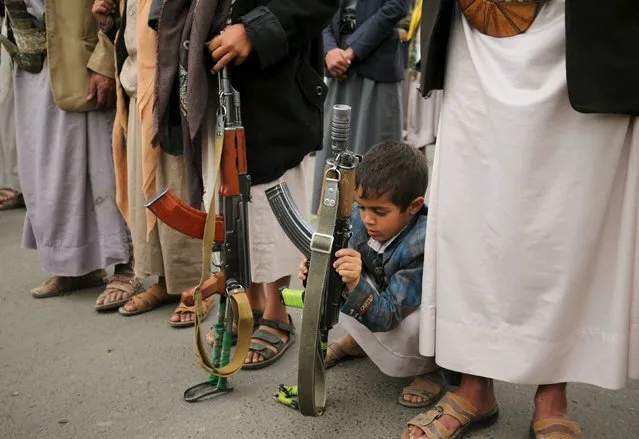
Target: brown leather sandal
column 457, row 408
column 336, row 352
column 127, row 283
column 154, row 297
column 555, row 428
column 61, row 285
column 207, row 303
column 429, row 397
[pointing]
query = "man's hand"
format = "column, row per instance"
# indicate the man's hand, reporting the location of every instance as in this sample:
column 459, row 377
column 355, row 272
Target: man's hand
column 337, row 63
column 403, row 35
column 102, row 10
column 349, row 266
column 349, row 54
column 103, row 88
column 231, row 44
column 303, row 269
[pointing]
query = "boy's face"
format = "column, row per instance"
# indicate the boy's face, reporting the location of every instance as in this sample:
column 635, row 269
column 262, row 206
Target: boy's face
column 382, row 218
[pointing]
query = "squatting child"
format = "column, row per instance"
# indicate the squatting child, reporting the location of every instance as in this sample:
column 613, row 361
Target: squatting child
column 382, row 271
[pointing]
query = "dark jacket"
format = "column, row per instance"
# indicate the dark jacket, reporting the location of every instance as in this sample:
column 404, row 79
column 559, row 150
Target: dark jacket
column 281, row 83
column 375, row 40
column 602, row 54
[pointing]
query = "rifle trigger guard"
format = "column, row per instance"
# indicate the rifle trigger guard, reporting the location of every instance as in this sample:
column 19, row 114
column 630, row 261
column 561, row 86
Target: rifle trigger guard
column 322, row 243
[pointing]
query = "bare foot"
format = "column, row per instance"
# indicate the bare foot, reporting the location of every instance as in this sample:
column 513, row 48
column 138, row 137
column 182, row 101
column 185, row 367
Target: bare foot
column 429, row 384
column 182, row 317
column 478, row 391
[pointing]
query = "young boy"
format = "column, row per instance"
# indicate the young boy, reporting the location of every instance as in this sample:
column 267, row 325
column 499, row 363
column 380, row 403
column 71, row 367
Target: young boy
column 384, row 262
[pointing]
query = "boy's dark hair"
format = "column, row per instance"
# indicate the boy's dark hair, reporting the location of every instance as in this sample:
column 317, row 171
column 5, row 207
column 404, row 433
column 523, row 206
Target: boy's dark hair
column 393, row 168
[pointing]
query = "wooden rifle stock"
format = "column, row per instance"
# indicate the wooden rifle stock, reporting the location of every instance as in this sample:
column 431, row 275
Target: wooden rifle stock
column 178, row 215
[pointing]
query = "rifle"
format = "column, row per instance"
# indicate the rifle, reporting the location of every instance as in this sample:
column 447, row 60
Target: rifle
column 323, row 290
column 226, row 235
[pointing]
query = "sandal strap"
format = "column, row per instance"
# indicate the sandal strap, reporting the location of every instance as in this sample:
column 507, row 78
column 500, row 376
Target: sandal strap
column 263, row 350
column 555, row 428
column 289, row 328
column 451, row 405
column 154, row 292
column 183, row 309
column 124, row 283
column 272, row 339
column 418, row 391
column 338, row 352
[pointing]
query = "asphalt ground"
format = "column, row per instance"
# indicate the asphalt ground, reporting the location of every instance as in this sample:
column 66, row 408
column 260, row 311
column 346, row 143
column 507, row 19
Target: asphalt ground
column 69, row 372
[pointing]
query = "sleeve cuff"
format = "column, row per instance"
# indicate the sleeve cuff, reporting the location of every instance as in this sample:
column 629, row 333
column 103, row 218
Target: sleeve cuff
column 266, row 34
column 359, row 300
column 357, row 48
column 102, row 60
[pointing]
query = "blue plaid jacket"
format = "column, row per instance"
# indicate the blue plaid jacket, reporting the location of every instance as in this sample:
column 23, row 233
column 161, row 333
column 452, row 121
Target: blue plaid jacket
column 403, row 263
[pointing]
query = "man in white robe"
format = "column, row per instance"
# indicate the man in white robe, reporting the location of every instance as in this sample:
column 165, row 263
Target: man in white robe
column 531, row 260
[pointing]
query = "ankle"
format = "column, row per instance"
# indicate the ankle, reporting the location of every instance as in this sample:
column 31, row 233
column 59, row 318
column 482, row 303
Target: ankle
column 126, row 269
column 551, row 401
column 479, row 391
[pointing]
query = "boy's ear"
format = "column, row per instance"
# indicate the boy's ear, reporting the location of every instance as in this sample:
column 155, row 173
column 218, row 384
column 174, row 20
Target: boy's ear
column 416, row 205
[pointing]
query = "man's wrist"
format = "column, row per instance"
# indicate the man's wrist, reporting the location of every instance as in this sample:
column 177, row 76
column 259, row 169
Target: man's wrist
column 106, row 25
column 350, row 54
column 351, row 285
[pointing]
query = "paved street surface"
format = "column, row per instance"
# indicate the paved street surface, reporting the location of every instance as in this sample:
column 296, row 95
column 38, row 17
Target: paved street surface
column 69, row 372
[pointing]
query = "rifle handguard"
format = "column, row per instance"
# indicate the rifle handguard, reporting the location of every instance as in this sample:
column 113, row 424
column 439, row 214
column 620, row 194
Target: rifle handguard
column 289, row 217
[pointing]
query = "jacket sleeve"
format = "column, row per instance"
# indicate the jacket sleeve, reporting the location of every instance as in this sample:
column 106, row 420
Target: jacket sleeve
column 377, row 27
column 328, row 39
column 102, row 59
column 381, row 311
column 284, row 25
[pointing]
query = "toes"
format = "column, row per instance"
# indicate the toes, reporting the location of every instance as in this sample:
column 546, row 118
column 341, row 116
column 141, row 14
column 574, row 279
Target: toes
column 257, row 358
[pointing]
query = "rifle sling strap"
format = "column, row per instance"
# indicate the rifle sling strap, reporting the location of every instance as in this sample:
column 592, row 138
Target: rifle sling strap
column 310, row 378
column 243, row 317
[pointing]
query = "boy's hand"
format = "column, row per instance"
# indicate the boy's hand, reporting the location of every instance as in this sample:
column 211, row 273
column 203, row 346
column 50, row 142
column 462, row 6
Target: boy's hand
column 231, row 44
column 349, row 266
column 337, row 63
column 303, row 270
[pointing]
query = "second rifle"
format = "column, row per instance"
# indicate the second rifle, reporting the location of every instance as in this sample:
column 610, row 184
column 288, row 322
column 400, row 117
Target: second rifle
column 322, row 296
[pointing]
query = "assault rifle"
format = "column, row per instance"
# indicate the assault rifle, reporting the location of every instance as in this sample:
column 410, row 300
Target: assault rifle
column 322, row 296
column 226, row 235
